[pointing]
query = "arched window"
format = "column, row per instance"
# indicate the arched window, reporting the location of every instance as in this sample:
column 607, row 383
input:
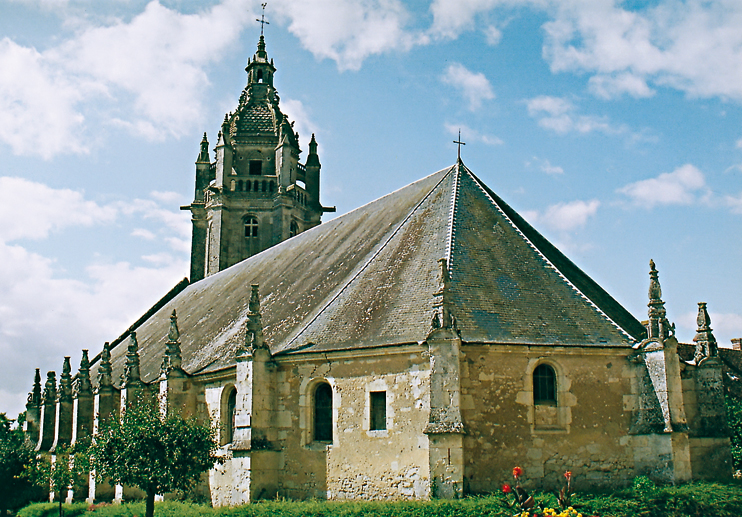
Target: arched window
column 256, row 186
column 323, row 413
column 251, row 227
column 544, row 385
column 248, row 185
column 260, row 76
column 293, row 229
column 240, row 185
column 229, row 409
column 265, row 185
column 271, row 186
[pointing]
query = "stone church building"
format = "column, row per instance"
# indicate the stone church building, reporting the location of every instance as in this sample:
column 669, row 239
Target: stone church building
column 419, row 346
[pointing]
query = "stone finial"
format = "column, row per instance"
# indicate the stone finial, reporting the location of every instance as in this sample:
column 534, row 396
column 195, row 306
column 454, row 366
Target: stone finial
column 50, row 388
column 105, row 369
column 254, row 325
column 173, row 359
column 131, row 373
column 442, row 315
column 705, row 341
column 203, row 156
column 658, row 326
column 83, row 385
column 34, row 398
column 65, row 382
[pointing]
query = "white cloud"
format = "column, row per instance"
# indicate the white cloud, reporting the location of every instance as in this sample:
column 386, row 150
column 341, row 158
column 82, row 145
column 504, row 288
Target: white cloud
column 143, row 233
column 738, row 144
column 734, row 203
column 679, row 187
column 545, row 165
column 472, row 135
column 45, row 209
column 147, row 75
column 169, row 198
column 347, row 31
column 40, row 298
column 35, row 100
column 612, row 86
column 303, row 124
column 691, row 46
column 493, row 35
column 565, row 217
column 474, row 86
column 558, row 115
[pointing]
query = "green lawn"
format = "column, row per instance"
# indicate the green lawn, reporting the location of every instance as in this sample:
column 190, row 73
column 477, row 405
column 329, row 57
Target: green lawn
column 694, row 500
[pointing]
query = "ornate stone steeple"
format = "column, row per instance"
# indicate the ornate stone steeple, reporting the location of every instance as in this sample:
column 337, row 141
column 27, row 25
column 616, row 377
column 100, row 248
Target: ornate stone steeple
column 131, row 375
column 50, row 388
column 34, row 398
column 254, row 326
column 173, row 360
column 658, row 326
column 83, row 385
column 705, row 341
column 65, row 381
column 257, row 193
column 442, row 315
column 105, row 370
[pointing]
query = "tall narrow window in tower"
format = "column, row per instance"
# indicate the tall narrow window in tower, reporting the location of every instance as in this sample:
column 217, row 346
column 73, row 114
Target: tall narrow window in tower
column 256, row 168
column 323, row 413
column 293, row 229
column 377, row 417
column 544, row 385
column 251, row 227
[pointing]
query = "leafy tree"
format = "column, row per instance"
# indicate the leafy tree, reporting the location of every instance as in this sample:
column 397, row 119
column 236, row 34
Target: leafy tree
column 15, row 453
column 154, row 453
column 68, row 470
column 734, row 418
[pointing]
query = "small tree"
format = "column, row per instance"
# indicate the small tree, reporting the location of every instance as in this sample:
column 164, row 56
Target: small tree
column 154, row 453
column 16, row 452
column 68, row 470
column 734, row 418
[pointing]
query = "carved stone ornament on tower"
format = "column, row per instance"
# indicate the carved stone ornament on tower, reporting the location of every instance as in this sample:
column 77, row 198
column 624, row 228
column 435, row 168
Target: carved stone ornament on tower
column 442, row 315
column 254, row 325
column 172, row 359
column 705, row 341
column 34, row 398
column 50, row 388
column 658, row 327
column 105, row 370
column 65, row 382
column 131, row 373
column 82, row 383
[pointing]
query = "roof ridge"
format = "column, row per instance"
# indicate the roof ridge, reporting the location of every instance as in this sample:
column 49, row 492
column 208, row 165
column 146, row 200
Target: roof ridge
column 487, row 192
column 369, row 261
column 451, row 216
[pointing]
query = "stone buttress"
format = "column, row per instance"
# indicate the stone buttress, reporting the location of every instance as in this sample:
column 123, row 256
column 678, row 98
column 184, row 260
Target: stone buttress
column 445, row 428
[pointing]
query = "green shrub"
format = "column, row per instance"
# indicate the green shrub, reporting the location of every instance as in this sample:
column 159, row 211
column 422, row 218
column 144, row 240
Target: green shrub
column 52, row 510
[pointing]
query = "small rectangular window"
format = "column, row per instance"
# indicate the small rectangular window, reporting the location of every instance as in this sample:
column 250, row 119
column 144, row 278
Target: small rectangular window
column 256, row 168
column 378, row 411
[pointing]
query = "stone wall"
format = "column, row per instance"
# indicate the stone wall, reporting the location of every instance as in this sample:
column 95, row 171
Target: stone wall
column 585, row 432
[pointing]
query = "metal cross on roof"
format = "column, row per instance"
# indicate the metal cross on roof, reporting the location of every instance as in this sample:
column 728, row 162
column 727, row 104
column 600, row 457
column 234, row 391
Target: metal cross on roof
column 460, row 143
column 262, row 19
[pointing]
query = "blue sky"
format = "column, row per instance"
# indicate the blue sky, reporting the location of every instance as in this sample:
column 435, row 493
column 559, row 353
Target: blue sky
column 613, row 127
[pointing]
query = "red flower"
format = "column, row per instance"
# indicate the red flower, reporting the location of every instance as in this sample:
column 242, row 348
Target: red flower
column 517, row 472
column 506, row 489
column 568, row 475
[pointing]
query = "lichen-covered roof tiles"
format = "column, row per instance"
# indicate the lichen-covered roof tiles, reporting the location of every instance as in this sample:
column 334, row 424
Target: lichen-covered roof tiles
column 367, row 279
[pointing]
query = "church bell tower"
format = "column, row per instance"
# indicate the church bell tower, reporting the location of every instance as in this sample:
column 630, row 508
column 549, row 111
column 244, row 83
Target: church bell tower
column 256, row 193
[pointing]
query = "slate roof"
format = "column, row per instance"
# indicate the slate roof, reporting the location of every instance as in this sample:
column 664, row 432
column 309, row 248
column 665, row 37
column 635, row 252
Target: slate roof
column 256, row 118
column 367, row 279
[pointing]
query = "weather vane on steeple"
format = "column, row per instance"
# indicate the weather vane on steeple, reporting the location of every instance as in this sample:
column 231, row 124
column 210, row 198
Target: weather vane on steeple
column 262, row 20
column 460, row 143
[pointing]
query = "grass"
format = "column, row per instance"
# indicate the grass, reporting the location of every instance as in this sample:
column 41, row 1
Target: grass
column 644, row 500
